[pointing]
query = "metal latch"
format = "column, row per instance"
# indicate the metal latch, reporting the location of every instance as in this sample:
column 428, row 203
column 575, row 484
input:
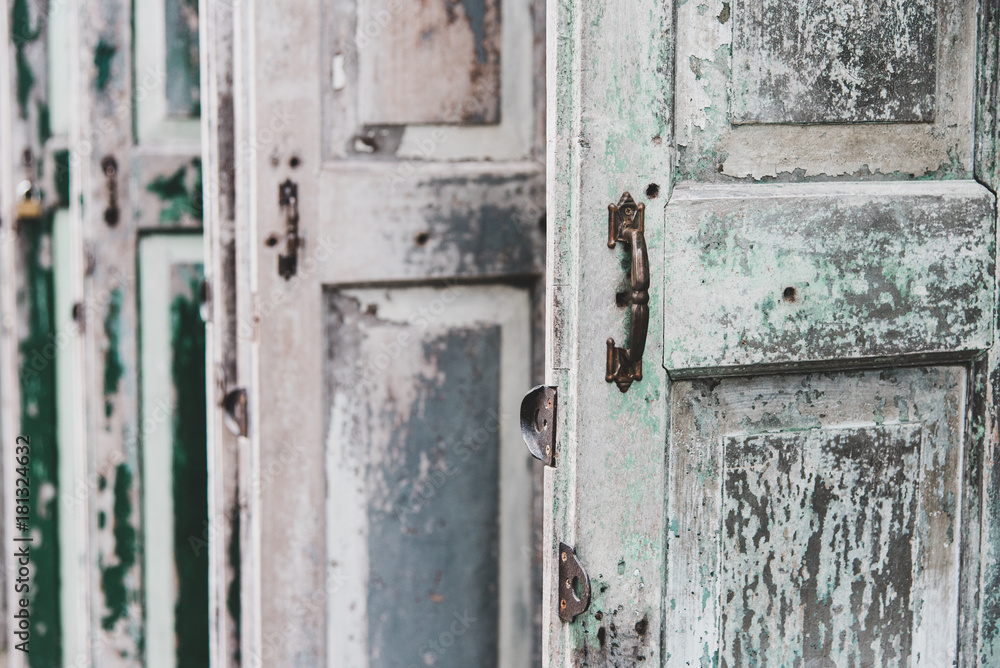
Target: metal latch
column 538, row 423
column 572, row 578
column 288, row 200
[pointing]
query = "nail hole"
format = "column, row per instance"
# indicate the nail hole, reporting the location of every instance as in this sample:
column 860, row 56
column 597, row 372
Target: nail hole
column 621, row 298
column 271, row 241
column 652, row 191
column 790, row 294
column 422, row 238
column 642, row 626
column 294, row 161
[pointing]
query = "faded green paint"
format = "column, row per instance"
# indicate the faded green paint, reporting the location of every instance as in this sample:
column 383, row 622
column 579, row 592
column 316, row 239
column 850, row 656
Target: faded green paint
column 61, row 177
column 22, row 34
column 104, row 56
column 182, row 59
column 38, row 422
column 814, row 516
column 113, row 367
column 181, row 195
column 113, row 585
column 44, row 124
column 233, row 591
column 190, row 474
column 869, row 271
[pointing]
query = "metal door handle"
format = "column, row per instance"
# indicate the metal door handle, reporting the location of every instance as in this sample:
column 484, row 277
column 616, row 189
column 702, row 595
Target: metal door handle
column 626, row 223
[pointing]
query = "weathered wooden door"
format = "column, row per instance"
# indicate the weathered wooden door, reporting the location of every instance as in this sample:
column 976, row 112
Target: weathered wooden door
column 806, row 473
column 374, row 285
column 99, row 113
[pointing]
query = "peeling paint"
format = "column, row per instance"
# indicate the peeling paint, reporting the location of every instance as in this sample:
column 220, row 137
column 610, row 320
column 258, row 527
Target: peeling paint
column 38, row 420
column 113, row 576
column 104, row 55
column 180, row 194
column 190, row 473
column 113, row 367
column 22, row 34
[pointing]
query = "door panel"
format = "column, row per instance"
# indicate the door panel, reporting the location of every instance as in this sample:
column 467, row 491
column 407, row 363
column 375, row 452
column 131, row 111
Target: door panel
column 172, row 406
column 772, row 90
column 798, row 273
column 424, row 461
column 815, row 518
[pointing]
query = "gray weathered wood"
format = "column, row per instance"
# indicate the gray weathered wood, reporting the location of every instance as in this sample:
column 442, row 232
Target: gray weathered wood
column 844, row 62
column 397, row 210
column 816, row 516
column 227, row 497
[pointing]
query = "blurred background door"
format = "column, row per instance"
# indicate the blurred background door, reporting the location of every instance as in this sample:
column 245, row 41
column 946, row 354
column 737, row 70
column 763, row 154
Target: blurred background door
column 375, row 277
column 102, row 354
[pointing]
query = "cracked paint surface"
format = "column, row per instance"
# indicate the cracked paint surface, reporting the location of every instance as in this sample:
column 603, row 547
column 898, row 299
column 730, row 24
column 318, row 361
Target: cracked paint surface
column 793, row 273
column 824, row 513
column 834, row 62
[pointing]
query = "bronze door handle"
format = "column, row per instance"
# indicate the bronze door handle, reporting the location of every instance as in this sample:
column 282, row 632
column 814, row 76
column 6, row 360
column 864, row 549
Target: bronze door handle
column 626, row 223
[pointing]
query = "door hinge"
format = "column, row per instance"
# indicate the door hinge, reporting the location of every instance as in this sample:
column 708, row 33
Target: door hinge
column 235, row 413
column 574, row 585
column 538, row 423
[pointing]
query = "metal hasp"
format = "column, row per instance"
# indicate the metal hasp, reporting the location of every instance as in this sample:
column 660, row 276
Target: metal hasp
column 571, row 574
column 288, row 200
column 626, row 223
column 538, row 423
column 235, row 415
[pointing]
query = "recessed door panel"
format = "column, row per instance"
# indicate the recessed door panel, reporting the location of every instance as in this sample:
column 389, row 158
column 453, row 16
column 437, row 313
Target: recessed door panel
column 824, row 511
column 428, row 506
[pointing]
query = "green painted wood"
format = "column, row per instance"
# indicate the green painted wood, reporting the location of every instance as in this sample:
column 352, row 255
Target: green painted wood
column 37, row 375
column 190, row 472
column 182, row 59
column 760, row 280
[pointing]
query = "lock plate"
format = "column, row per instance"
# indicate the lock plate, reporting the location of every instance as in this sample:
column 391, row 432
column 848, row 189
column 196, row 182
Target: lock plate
column 538, row 423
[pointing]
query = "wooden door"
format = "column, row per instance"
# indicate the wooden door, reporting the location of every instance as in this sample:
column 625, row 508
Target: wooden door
column 375, row 288
column 806, row 472
column 99, row 106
